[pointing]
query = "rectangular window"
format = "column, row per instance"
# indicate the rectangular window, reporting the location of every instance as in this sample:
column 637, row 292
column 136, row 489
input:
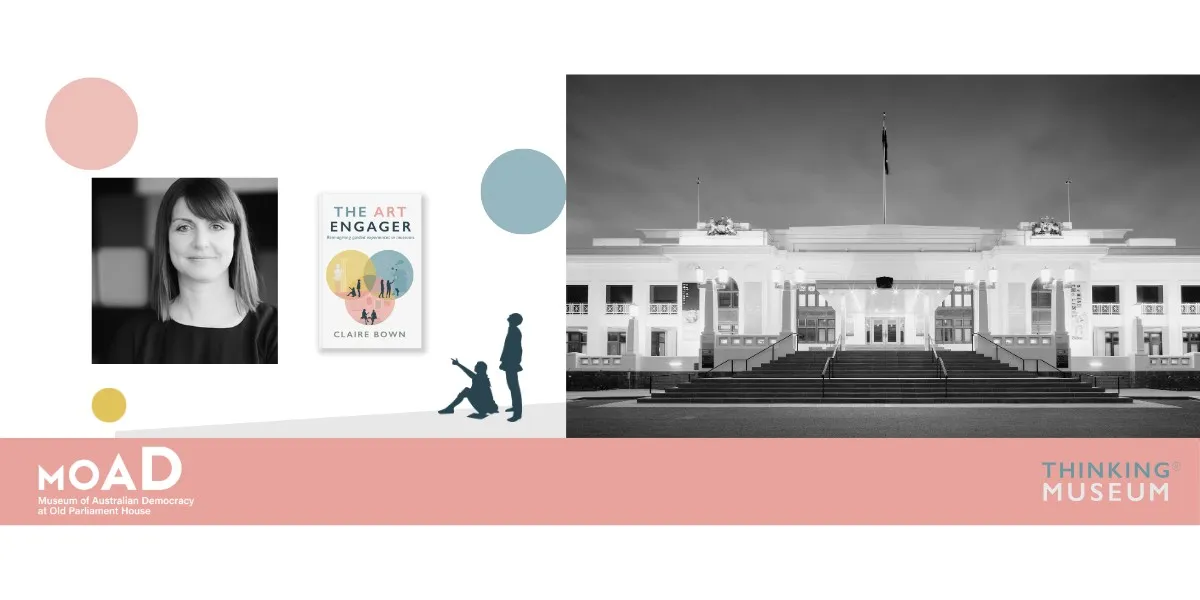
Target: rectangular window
column 1112, row 343
column 664, row 294
column 807, row 296
column 616, row 343
column 619, row 294
column 1152, row 342
column 577, row 341
column 1149, row 294
column 658, row 343
column 1191, row 342
column 1189, row 294
column 953, row 326
column 1105, row 294
column 727, row 299
column 577, row 294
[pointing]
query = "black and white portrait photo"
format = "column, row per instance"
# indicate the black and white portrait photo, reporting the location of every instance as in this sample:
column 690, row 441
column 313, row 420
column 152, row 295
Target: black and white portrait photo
column 184, row 271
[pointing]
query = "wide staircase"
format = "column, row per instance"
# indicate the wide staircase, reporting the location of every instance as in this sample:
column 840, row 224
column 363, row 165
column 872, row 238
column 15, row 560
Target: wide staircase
column 887, row 376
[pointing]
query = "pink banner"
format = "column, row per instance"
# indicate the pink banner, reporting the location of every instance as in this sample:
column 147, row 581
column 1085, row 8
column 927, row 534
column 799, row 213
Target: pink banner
column 578, row 481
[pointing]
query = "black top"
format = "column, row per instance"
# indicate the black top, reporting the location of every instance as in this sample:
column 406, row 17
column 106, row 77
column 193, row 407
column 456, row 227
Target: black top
column 146, row 339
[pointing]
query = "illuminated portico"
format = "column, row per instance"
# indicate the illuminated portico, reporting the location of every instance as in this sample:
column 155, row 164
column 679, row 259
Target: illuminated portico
column 899, row 314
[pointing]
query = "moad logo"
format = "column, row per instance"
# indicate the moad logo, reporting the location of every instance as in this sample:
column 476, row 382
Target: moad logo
column 118, row 474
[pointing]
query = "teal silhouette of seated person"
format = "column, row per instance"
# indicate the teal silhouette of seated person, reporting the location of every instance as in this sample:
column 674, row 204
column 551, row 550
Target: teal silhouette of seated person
column 479, row 394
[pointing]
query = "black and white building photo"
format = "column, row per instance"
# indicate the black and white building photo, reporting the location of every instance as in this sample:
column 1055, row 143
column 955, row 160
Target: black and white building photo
column 880, row 256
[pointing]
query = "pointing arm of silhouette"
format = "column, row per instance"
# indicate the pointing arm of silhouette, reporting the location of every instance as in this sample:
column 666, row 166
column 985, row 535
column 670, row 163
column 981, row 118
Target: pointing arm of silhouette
column 469, row 373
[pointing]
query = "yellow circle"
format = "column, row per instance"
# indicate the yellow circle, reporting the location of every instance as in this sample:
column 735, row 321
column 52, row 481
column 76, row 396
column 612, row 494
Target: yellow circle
column 108, row 405
column 349, row 269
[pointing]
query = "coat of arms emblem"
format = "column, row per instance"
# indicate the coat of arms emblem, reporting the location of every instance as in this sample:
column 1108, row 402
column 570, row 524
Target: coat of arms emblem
column 721, row 226
column 1047, row 226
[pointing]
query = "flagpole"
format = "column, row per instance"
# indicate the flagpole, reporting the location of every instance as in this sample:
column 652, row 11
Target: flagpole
column 697, row 200
column 1068, row 200
column 885, row 169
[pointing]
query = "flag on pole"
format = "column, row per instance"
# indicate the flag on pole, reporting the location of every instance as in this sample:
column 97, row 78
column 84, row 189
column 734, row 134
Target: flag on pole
column 885, row 157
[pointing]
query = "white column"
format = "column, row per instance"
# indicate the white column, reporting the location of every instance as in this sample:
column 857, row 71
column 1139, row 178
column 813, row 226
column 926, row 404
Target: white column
column 785, row 295
column 1137, row 347
column 1060, row 308
column 984, row 326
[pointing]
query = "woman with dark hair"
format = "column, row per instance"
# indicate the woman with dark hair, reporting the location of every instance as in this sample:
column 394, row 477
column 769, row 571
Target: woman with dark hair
column 203, row 285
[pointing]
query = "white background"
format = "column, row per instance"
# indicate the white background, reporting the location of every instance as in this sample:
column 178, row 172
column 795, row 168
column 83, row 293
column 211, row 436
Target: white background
column 360, row 101
column 959, row 563
column 422, row 96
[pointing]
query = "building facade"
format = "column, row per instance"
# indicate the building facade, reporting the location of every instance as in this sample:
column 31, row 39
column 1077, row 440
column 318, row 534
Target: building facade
column 692, row 299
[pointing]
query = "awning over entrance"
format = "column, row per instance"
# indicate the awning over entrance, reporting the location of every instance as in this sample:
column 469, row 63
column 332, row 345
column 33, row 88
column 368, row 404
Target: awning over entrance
column 904, row 297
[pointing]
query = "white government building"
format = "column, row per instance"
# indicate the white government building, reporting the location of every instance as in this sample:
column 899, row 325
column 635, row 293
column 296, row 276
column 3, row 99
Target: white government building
column 688, row 299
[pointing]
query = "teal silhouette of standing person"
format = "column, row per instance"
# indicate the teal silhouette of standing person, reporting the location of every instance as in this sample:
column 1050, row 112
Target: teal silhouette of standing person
column 479, row 394
column 510, row 363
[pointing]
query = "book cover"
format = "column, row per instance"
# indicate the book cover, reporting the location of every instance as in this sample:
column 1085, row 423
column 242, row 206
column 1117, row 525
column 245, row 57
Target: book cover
column 371, row 269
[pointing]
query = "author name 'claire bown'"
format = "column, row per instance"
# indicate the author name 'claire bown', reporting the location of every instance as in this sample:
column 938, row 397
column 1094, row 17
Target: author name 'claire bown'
column 369, row 334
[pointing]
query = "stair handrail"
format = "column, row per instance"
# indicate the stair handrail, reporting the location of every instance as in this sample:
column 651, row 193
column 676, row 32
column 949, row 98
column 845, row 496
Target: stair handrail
column 771, row 348
column 831, row 362
column 731, row 365
column 823, row 371
column 1095, row 378
column 1060, row 371
column 1021, row 358
column 945, row 378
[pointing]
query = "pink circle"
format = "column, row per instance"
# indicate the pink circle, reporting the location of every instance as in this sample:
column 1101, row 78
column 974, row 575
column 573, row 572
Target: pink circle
column 91, row 123
column 382, row 307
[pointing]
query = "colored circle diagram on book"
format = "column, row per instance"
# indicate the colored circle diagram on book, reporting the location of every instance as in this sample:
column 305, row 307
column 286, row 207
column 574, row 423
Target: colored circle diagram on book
column 369, row 285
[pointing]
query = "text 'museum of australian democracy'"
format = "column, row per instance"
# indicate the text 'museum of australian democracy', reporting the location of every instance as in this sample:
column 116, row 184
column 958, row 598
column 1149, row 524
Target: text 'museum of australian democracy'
column 105, row 506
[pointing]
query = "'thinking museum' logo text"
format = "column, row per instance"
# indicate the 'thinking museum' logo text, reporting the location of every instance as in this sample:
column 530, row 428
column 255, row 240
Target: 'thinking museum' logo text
column 1119, row 481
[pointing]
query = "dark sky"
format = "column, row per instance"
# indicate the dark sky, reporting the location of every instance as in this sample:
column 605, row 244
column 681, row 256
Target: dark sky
column 986, row 151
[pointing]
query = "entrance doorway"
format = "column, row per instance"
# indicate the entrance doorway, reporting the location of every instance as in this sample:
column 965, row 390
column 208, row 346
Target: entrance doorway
column 885, row 330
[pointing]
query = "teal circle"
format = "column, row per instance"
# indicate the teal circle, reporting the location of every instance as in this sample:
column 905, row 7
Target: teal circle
column 395, row 267
column 523, row 191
